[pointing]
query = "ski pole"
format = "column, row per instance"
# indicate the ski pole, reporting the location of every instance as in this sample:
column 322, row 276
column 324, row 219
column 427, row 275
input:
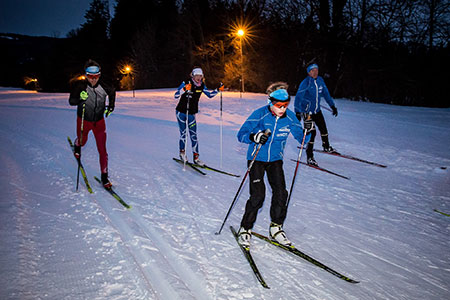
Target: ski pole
column 326, row 108
column 221, row 130
column 296, row 168
column 80, row 142
column 267, row 133
column 189, row 96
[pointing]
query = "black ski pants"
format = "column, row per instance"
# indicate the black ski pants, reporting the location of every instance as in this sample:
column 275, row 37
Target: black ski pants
column 275, row 175
column 319, row 122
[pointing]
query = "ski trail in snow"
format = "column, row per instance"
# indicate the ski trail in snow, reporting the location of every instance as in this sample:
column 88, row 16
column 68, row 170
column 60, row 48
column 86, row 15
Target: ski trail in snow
column 424, row 277
column 192, row 280
column 31, row 192
column 147, row 264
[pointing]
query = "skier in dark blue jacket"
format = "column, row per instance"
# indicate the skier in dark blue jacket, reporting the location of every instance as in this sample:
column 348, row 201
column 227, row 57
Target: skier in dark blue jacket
column 280, row 121
column 307, row 107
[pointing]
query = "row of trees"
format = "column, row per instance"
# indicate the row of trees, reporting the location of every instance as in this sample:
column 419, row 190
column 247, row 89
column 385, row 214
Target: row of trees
column 390, row 51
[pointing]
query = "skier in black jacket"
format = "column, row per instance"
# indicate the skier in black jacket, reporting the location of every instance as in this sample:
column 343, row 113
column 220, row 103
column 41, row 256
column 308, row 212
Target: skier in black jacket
column 190, row 91
column 90, row 95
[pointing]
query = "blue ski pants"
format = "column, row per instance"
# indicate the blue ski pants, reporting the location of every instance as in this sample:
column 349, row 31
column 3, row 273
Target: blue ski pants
column 192, row 124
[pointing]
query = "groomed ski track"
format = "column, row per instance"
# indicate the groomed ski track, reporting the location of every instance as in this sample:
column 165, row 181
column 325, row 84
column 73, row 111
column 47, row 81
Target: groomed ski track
column 57, row 243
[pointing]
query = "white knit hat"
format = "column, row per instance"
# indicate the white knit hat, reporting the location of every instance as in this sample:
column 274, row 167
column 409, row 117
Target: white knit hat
column 197, row 71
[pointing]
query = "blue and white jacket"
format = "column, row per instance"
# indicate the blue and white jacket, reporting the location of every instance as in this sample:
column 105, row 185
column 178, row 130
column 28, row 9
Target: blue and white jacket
column 262, row 119
column 310, row 91
column 194, row 96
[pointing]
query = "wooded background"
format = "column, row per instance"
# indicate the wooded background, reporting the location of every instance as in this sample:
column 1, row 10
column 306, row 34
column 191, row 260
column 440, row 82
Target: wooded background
column 367, row 50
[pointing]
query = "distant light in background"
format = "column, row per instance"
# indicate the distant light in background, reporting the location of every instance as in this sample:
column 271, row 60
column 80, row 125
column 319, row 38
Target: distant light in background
column 31, row 83
column 128, row 71
column 77, row 77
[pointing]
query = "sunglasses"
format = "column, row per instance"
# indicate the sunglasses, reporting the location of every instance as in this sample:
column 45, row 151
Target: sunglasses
column 91, row 76
column 281, row 104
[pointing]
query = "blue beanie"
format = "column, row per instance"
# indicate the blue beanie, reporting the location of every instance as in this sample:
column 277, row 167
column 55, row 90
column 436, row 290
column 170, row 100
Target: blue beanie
column 279, row 95
column 93, row 70
column 312, row 66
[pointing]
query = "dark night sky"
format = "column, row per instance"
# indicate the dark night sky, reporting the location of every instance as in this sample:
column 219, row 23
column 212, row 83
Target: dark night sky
column 43, row 17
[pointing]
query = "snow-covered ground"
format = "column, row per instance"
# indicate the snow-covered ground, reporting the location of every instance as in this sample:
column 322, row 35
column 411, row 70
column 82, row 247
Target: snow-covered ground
column 380, row 227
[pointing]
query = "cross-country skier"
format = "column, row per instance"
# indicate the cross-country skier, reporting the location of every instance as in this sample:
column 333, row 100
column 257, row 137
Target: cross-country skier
column 90, row 96
column 307, row 107
column 190, row 91
column 280, row 121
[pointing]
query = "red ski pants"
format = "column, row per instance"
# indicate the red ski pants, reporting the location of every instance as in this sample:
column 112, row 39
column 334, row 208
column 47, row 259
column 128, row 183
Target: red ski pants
column 99, row 130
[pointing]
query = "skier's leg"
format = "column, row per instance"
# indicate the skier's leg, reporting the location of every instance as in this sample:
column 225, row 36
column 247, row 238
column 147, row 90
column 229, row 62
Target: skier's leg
column 257, row 194
column 181, row 118
column 99, row 131
column 275, row 175
column 322, row 126
column 192, row 123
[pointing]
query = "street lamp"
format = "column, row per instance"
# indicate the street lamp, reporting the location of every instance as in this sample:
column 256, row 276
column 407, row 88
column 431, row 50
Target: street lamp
column 128, row 70
column 241, row 34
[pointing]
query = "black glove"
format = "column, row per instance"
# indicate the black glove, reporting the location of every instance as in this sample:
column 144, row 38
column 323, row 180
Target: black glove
column 259, row 138
column 220, row 87
column 308, row 123
column 335, row 113
column 109, row 110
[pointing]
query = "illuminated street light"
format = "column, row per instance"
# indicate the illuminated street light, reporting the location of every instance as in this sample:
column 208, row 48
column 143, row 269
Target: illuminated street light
column 31, row 83
column 241, row 34
column 128, row 70
column 242, row 31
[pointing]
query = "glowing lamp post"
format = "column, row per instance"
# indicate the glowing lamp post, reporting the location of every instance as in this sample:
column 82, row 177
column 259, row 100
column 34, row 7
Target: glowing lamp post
column 241, row 34
column 129, row 71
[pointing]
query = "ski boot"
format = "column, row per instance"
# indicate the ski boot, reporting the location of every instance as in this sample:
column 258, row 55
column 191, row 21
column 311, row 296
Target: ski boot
column 105, row 181
column 277, row 234
column 329, row 149
column 244, row 237
column 77, row 151
column 197, row 161
column 312, row 162
column 183, row 156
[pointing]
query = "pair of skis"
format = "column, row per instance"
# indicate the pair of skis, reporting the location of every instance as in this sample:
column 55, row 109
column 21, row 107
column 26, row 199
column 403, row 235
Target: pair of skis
column 88, row 186
column 343, row 156
column 290, row 249
column 197, row 168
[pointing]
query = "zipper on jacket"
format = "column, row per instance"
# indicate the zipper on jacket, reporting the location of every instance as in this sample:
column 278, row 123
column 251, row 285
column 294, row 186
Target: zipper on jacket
column 95, row 104
column 317, row 95
column 273, row 133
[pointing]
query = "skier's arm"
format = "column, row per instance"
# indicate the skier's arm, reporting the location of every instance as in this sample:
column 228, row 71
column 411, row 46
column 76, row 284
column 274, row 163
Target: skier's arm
column 327, row 96
column 249, row 127
column 111, row 91
column 77, row 95
column 296, row 128
column 301, row 103
column 209, row 93
column 180, row 90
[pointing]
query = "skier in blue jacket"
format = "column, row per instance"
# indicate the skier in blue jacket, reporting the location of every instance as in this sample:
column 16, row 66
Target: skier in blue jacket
column 307, row 107
column 189, row 93
column 280, row 121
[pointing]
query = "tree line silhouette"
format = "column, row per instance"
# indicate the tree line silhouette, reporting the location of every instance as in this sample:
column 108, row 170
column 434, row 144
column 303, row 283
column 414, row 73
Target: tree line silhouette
column 367, row 50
